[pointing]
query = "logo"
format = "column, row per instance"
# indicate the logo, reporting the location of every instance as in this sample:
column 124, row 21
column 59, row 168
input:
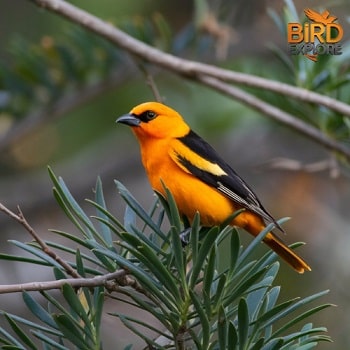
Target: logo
column 318, row 36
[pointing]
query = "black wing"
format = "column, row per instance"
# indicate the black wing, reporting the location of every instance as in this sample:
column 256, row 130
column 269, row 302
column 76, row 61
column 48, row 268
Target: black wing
column 214, row 171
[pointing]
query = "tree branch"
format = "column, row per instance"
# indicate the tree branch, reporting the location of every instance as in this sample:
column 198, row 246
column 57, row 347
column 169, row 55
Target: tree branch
column 45, row 248
column 120, row 276
column 102, row 280
column 182, row 66
column 277, row 114
column 209, row 75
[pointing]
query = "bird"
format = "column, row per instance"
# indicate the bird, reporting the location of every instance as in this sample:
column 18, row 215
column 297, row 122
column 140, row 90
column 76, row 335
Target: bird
column 317, row 17
column 175, row 157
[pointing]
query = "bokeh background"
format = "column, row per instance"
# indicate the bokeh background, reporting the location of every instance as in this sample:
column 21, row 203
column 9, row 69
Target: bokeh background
column 79, row 139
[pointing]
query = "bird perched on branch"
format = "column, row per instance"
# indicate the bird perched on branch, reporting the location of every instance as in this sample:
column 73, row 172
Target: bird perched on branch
column 198, row 178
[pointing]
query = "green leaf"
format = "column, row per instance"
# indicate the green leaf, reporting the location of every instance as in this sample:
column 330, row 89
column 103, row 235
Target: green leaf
column 106, row 217
column 204, row 321
column 256, row 241
column 133, row 203
column 209, row 270
column 222, row 328
column 99, row 198
column 71, row 331
column 10, row 340
column 243, row 323
column 194, row 237
column 179, row 256
column 99, row 299
column 109, row 265
column 20, row 333
column 235, row 247
column 151, row 260
column 32, row 325
column 72, row 238
column 129, row 219
column 219, row 292
column 141, row 334
column 142, row 236
column 244, row 286
column 286, row 308
column 37, row 252
column 147, row 281
column 71, row 205
column 299, row 318
column 274, row 344
column 47, row 340
column 258, row 345
column 83, row 257
column 232, row 337
column 38, row 310
column 75, row 303
column 67, row 210
column 204, row 249
column 23, row 259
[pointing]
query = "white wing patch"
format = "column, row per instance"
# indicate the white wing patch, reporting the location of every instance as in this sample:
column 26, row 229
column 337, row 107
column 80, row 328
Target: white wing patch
column 252, row 206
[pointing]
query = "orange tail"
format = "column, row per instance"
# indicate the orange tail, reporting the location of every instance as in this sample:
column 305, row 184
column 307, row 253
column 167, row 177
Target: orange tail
column 254, row 224
column 286, row 253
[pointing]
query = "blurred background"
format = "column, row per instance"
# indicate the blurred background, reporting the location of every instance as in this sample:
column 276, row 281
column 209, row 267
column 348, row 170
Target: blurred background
column 61, row 90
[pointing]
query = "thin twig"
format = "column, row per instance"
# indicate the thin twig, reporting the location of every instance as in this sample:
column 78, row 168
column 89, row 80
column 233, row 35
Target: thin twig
column 277, row 114
column 102, row 280
column 153, row 86
column 46, row 249
column 121, row 276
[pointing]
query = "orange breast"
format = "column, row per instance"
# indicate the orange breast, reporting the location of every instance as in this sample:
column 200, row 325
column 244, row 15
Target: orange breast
column 190, row 193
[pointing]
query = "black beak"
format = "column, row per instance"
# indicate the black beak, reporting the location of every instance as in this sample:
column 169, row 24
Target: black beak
column 129, row 119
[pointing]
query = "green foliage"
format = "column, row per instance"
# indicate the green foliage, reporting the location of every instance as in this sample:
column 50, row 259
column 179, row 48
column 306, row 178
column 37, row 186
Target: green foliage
column 195, row 303
column 40, row 74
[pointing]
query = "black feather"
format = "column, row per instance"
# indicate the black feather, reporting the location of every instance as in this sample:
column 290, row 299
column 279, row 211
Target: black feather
column 231, row 185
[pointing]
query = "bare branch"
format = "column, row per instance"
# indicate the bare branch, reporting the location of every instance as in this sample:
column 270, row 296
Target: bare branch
column 121, row 276
column 209, row 75
column 153, row 86
column 102, row 280
column 277, row 114
column 183, row 66
column 46, row 249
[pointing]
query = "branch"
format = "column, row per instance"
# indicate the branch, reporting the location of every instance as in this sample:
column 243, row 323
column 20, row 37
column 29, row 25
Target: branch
column 45, row 248
column 207, row 74
column 121, row 276
column 277, row 114
column 102, row 280
column 182, row 66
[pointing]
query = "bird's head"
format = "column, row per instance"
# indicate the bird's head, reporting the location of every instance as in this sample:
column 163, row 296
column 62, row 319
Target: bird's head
column 155, row 120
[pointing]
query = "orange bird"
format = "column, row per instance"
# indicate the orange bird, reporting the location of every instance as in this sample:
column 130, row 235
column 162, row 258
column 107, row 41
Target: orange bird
column 198, row 178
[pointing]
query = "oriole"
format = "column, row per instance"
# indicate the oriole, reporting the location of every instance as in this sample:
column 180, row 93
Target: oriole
column 198, row 178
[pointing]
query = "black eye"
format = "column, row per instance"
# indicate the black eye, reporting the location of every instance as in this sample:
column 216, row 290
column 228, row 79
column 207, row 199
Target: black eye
column 147, row 116
column 150, row 115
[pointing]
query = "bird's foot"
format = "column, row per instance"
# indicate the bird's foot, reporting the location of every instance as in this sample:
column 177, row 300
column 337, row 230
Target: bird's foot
column 185, row 236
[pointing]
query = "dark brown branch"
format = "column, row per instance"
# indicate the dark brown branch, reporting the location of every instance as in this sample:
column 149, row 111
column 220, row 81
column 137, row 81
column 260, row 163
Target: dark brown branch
column 45, row 248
